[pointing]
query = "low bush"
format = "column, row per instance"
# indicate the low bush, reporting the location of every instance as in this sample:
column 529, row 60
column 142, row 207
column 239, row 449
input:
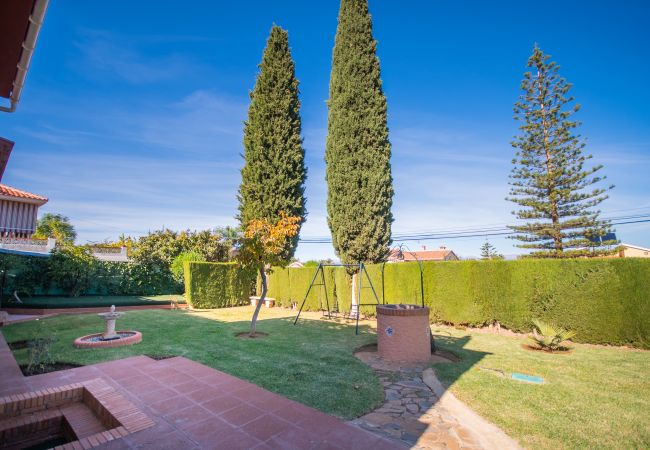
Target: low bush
column 217, row 285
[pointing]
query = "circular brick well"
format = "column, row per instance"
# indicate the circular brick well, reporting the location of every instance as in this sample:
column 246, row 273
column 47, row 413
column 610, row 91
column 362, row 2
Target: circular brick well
column 403, row 333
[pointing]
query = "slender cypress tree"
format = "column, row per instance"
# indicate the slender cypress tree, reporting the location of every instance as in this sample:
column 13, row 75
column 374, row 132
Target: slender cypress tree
column 274, row 173
column 549, row 179
column 360, row 185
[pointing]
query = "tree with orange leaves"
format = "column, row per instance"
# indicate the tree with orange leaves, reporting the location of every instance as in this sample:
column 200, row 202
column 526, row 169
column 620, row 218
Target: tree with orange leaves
column 265, row 245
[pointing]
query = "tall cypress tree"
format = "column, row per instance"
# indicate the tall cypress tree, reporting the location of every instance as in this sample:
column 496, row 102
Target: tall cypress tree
column 274, row 173
column 549, row 179
column 360, row 185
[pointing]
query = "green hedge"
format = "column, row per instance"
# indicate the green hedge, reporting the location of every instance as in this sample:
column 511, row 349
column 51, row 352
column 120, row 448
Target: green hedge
column 217, row 285
column 31, row 276
column 606, row 301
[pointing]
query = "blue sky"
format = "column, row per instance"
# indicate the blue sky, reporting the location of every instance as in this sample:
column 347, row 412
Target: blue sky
column 132, row 115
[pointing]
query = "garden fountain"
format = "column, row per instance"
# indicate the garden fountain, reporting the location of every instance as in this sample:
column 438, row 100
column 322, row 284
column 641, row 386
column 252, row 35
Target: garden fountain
column 110, row 337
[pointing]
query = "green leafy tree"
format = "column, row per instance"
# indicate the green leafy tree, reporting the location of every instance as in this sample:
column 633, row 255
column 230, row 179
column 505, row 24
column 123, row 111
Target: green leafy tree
column 162, row 246
column 549, row 180
column 359, row 181
column 274, row 173
column 72, row 268
column 264, row 246
column 55, row 226
column 489, row 251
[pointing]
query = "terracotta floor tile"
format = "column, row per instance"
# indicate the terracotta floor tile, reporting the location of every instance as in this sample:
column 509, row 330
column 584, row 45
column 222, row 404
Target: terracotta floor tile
column 173, row 379
column 207, row 427
column 188, row 416
column 169, row 441
column 157, row 395
column 190, row 385
column 266, row 426
column 221, row 404
column 235, row 440
column 292, row 412
column 171, row 404
column 205, row 394
column 293, row 438
column 347, row 436
column 241, row 415
column 315, row 422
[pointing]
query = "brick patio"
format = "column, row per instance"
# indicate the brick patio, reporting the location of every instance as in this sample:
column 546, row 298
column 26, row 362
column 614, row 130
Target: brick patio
column 194, row 406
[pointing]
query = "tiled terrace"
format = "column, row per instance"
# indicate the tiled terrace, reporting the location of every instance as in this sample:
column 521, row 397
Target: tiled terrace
column 194, row 406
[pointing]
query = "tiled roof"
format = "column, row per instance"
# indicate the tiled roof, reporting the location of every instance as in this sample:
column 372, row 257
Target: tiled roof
column 427, row 255
column 423, row 255
column 8, row 191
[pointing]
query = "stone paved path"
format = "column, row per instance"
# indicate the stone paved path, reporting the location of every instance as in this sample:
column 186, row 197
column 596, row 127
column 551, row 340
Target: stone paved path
column 410, row 414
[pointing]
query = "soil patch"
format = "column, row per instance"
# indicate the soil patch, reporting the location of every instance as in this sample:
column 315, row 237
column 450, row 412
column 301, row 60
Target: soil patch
column 159, row 357
column 560, row 351
column 247, row 335
column 369, row 355
column 17, row 345
column 47, row 368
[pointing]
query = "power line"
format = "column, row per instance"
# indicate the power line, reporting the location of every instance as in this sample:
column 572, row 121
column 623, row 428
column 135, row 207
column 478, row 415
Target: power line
column 471, row 234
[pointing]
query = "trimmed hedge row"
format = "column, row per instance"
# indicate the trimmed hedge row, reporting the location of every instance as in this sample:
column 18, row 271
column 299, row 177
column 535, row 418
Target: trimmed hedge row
column 33, row 278
column 606, row 301
column 217, row 285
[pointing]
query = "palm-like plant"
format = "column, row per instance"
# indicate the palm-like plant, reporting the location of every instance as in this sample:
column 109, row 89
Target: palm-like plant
column 549, row 337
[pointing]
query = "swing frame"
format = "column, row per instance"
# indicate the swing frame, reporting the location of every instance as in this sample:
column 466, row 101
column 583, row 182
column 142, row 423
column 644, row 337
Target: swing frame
column 320, row 269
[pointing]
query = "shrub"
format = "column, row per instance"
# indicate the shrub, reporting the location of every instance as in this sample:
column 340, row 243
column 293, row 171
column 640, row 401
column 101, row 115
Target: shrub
column 73, row 268
column 548, row 337
column 217, row 285
column 178, row 263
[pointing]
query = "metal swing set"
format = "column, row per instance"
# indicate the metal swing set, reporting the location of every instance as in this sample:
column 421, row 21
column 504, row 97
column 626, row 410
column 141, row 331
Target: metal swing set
column 321, row 270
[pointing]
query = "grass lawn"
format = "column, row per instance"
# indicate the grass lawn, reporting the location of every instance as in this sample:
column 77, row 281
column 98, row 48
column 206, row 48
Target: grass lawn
column 90, row 301
column 594, row 397
column 311, row 363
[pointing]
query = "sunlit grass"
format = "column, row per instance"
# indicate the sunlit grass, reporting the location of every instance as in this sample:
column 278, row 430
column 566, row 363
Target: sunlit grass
column 592, row 397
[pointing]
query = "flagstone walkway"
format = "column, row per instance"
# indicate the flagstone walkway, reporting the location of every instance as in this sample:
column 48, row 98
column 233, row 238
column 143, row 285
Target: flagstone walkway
column 411, row 415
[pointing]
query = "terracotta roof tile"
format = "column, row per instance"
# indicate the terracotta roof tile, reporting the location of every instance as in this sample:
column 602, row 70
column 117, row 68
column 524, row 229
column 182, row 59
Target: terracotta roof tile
column 8, row 191
column 422, row 255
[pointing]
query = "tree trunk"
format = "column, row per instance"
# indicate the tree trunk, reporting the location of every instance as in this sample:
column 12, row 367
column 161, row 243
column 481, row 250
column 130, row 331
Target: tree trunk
column 557, row 232
column 259, row 302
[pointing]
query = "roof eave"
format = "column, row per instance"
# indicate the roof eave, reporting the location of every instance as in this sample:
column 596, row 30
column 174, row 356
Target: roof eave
column 35, row 23
column 31, row 201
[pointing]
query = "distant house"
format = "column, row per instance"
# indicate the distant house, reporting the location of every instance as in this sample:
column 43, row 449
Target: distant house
column 403, row 255
column 18, row 209
column 633, row 251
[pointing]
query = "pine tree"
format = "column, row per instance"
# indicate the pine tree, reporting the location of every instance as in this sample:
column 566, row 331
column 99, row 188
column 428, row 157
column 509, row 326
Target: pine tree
column 360, row 185
column 274, row 172
column 549, row 179
column 489, row 251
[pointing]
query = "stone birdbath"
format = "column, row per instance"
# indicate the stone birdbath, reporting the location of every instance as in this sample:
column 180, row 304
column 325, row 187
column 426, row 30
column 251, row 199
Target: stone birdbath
column 110, row 337
column 110, row 318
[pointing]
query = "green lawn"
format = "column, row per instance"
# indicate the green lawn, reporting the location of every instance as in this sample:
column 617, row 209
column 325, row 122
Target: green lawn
column 90, row 301
column 594, row 397
column 311, row 363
